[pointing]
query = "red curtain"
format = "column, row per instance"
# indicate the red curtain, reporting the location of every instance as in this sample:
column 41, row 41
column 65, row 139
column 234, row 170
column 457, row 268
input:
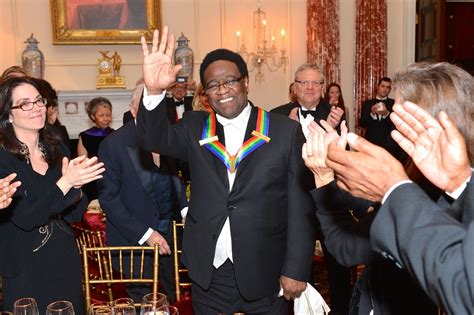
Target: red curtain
column 371, row 51
column 322, row 37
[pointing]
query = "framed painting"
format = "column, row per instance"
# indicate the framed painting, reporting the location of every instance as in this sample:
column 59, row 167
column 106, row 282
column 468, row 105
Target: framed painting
column 85, row 22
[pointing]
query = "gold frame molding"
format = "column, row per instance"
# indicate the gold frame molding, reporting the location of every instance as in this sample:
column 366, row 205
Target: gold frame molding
column 62, row 35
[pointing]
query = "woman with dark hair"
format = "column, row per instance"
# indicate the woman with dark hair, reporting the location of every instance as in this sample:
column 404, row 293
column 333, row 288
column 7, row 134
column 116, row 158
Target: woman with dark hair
column 39, row 255
column 53, row 110
column 99, row 111
column 334, row 98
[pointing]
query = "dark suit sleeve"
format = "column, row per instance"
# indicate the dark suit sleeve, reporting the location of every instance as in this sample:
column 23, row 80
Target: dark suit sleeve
column 110, row 196
column 434, row 247
column 300, row 237
column 347, row 240
column 365, row 118
column 156, row 134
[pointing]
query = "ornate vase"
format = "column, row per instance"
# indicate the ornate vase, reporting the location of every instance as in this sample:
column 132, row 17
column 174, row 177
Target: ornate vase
column 184, row 56
column 32, row 58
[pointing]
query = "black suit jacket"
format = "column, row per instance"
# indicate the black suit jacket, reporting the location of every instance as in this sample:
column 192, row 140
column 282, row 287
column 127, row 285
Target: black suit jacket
column 127, row 193
column 171, row 107
column 270, row 213
column 383, row 286
column 435, row 243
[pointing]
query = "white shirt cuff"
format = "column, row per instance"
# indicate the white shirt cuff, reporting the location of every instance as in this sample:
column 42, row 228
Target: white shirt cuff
column 374, row 116
column 458, row 191
column 145, row 236
column 151, row 101
column 184, row 212
column 394, row 186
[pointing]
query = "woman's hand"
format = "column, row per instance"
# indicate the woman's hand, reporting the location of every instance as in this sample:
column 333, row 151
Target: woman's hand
column 7, row 189
column 78, row 172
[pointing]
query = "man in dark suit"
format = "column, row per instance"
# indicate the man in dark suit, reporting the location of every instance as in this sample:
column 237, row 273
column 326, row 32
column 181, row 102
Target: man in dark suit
column 310, row 106
column 432, row 241
column 249, row 229
column 139, row 197
column 179, row 102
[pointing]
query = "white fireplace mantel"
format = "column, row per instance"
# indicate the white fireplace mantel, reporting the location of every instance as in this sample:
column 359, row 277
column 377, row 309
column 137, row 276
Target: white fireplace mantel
column 72, row 106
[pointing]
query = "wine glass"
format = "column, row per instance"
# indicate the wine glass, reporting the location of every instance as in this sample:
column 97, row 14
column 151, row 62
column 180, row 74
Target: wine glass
column 124, row 306
column 5, row 313
column 60, row 308
column 100, row 308
column 25, row 306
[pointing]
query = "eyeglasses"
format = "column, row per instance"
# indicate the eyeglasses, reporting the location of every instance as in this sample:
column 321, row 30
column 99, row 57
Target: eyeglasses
column 27, row 106
column 305, row 83
column 227, row 84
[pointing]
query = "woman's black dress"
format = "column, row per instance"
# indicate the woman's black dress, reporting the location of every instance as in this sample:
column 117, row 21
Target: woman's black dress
column 39, row 256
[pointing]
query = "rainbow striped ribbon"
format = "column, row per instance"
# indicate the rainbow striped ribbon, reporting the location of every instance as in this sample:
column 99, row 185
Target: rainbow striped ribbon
column 211, row 141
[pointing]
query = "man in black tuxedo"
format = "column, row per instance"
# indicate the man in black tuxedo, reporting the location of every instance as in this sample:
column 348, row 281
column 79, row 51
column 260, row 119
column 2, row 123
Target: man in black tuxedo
column 249, row 229
column 179, row 102
column 310, row 106
column 140, row 198
column 375, row 115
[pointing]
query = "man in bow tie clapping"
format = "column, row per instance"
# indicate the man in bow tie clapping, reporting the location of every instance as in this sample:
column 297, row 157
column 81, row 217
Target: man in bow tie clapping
column 309, row 106
column 309, row 85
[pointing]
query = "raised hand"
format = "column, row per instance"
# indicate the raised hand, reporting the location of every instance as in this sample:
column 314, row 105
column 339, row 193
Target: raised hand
column 436, row 146
column 79, row 171
column 7, row 189
column 334, row 116
column 367, row 172
column 158, row 69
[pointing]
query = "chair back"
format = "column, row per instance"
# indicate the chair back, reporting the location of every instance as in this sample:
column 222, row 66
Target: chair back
column 129, row 269
column 178, row 271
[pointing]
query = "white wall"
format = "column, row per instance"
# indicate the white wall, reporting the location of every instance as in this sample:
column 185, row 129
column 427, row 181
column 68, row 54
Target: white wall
column 209, row 24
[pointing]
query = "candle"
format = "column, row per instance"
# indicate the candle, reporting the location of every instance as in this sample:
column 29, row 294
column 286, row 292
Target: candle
column 264, row 22
column 238, row 40
column 283, row 38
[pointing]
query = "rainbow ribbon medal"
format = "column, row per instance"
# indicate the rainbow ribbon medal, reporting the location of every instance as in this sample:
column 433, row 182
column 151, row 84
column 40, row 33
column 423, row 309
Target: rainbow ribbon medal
column 211, row 141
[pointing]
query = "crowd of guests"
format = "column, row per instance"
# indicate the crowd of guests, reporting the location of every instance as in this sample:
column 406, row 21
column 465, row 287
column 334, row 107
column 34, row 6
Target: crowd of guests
column 263, row 187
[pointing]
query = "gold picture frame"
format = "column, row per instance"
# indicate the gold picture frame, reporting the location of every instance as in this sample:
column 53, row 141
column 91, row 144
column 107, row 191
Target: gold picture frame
column 73, row 21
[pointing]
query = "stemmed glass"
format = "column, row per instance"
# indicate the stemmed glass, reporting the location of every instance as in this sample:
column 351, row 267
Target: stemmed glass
column 25, row 306
column 154, row 304
column 123, row 306
column 100, row 308
column 60, row 308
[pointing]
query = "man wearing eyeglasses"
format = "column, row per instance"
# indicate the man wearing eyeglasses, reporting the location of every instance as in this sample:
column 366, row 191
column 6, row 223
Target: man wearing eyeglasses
column 309, row 106
column 249, row 228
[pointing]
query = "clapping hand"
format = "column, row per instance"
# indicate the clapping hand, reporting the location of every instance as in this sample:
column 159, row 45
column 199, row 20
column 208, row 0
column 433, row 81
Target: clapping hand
column 79, row 171
column 334, row 116
column 7, row 189
column 368, row 171
column 436, row 146
column 314, row 151
column 158, row 69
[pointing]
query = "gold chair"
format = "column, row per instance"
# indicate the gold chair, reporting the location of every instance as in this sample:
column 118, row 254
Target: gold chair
column 108, row 275
column 177, row 270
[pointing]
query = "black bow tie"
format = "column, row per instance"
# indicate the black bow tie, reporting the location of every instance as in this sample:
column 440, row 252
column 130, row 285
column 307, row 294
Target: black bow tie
column 179, row 103
column 305, row 113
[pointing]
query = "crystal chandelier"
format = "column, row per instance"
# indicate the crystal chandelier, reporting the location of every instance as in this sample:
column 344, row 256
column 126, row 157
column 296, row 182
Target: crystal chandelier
column 265, row 54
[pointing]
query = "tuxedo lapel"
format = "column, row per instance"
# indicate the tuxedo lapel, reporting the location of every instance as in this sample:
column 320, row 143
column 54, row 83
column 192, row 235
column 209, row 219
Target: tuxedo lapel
column 248, row 134
column 143, row 163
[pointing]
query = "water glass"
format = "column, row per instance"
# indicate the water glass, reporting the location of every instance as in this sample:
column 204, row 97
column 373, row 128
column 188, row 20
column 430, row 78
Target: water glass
column 155, row 298
column 60, row 308
column 5, row 313
column 150, row 309
column 25, row 306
